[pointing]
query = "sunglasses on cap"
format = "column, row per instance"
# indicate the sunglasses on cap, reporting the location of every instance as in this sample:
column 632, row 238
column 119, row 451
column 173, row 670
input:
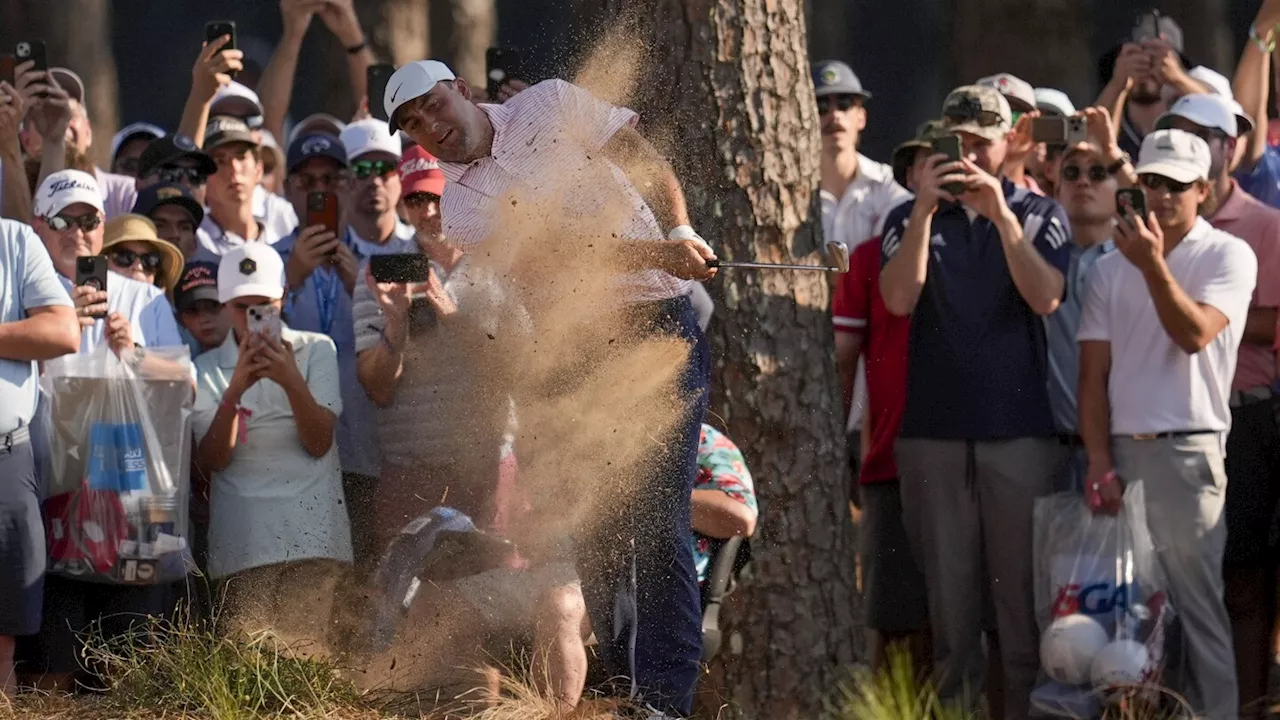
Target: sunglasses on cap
column 1160, row 182
column 151, row 260
column 970, row 110
column 840, row 102
column 363, row 169
column 418, row 199
column 178, row 174
column 87, row 223
column 1096, row 173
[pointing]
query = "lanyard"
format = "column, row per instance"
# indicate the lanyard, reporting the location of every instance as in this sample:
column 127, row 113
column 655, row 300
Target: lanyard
column 327, row 285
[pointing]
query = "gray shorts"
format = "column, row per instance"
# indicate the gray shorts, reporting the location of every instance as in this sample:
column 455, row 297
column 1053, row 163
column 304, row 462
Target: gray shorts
column 22, row 548
column 892, row 583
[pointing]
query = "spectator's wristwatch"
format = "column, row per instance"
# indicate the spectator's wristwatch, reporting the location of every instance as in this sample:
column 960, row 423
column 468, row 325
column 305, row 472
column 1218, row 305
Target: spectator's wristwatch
column 134, row 358
column 1118, row 165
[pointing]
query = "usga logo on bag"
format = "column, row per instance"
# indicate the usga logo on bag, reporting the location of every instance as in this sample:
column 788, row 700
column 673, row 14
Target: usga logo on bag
column 1095, row 599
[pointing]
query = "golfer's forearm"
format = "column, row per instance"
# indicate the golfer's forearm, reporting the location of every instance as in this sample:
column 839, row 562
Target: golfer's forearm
column 651, row 175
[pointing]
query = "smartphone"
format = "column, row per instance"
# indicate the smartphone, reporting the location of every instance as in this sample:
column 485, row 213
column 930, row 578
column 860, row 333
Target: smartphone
column 216, row 29
column 400, row 268
column 376, row 77
column 949, row 145
column 1049, row 130
column 1131, row 199
column 265, row 320
column 501, row 65
column 322, row 209
column 91, row 271
column 8, row 73
column 32, row 50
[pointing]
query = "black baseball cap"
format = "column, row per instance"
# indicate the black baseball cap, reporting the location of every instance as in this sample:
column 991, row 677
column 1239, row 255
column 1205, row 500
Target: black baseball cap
column 169, row 149
column 199, row 281
column 832, row 77
column 311, row 146
column 225, row 129
column 168, row 194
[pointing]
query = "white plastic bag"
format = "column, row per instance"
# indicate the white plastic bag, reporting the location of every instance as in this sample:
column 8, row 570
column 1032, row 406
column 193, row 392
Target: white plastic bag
column 1101, row 602
column 118, row 472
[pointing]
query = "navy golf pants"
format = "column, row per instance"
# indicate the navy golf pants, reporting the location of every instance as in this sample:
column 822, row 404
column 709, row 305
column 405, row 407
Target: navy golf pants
column 637, row 571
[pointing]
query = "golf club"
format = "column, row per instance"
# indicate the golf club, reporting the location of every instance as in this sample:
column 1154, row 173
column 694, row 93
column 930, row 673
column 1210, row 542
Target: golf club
column 837, row 255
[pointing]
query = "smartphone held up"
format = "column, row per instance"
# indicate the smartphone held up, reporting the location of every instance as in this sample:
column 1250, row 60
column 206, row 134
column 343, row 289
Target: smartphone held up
column 1131, row 201
column 949, row 146
column 265, row 321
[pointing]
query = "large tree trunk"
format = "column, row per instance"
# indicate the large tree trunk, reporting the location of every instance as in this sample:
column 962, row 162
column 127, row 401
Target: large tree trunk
column 461, row 30
column 77, row 35
column 727, row 83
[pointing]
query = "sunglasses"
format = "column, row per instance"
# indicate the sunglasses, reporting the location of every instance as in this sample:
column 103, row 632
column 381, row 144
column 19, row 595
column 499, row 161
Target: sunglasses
column 1160, row 182
column 419, row 199
column 1096, row 173
column 180, row 174
column 364, row 169
column 87, row 223
column 841, row 102
column 312, row 183
column 151, row 261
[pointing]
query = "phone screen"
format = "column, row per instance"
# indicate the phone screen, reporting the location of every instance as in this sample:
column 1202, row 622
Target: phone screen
column 400, row 268
column 1051, row 130
column 376, row 78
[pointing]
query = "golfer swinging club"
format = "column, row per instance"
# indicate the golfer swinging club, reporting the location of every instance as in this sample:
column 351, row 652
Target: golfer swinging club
column 640, row 588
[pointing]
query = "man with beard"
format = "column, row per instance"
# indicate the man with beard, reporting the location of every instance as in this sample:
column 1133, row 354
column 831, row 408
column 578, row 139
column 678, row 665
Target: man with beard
column 556, row 138
column 1135, row 74
column 231, row 221
column 976, row 446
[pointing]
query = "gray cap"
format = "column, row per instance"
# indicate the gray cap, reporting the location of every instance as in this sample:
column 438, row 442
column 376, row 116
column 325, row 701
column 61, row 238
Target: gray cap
column 832, row 77
column 1152, row 24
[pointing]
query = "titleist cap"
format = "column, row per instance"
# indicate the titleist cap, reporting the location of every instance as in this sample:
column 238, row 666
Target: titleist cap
column 411, row 81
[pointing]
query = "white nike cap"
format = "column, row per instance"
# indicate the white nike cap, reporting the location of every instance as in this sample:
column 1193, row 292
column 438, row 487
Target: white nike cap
column 411, row 81
column 1203, row 109
column 1174, row 154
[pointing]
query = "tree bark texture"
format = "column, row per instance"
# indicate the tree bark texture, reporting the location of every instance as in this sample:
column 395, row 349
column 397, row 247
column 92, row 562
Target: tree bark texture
column 76, row 36
column 725, row 87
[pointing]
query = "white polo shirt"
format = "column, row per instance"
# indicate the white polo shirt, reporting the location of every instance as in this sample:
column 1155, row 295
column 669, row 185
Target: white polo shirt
column 858, row 215
column 1156, row 386
column 275, row 502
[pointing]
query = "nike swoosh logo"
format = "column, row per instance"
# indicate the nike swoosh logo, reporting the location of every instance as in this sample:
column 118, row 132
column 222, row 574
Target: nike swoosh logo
column 396, row 92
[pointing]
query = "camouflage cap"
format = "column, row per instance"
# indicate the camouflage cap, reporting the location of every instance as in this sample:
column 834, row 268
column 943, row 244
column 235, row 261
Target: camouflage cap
column 904, row 154
column 978, row 110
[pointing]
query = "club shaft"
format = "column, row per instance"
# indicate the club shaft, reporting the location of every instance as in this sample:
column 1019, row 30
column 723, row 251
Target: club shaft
column 772, row 266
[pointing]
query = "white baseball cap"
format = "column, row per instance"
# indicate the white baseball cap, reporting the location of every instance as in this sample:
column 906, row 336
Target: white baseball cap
column 1019, row 93
column 1054, row 102
column 1203, row 109
column 69, row 81
column 1222, row 86
column 410, row 81
column 369, row 135
column 134, row 130
column 254, row 268
column 1175, row 154
column 65, row 188
column 237, row 100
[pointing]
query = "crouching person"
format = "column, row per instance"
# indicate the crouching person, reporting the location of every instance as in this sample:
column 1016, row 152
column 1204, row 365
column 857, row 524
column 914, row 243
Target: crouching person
column 267, row 404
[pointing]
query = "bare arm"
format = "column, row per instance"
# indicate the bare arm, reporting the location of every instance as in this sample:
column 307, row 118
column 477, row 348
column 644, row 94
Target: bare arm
column 315, row 423
column 1039, row 283
column 276, row 87
column 903, row 276
column 1113, row 97
column 219, row 444
column 210, row 72
column 1250, row 83
column 46, row 333
column 651, row 175
column 379, row 370
column 1190, row 324
column 848, row 348
column 15, row 200
column 1093, row 404
column 1260, row 327
column 717, row 515
column 341, row 19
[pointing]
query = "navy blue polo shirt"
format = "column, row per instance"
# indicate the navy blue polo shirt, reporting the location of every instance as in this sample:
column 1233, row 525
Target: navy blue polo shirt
column 977, row 364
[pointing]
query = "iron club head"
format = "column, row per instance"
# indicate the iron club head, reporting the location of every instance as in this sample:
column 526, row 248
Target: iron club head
column 838, row 256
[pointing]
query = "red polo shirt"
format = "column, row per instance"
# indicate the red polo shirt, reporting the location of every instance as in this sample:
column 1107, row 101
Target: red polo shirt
column 858, row 308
